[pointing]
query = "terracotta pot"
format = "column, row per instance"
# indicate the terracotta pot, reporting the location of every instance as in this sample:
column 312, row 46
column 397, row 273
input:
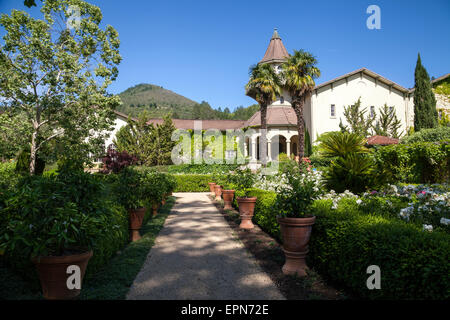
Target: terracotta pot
column 53, row 274
column 228, row 196
column 163, row 201
column 218, row 191
column 295, row 234
column 154, row 209
column 136, row 218
column 211, row 188
column 246, row 209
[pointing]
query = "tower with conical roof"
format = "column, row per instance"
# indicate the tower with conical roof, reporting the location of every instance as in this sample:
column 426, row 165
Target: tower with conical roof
column 276, row 52
column 275, row 55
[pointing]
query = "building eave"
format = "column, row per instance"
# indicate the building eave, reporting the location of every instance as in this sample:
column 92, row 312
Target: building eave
column 368, row 72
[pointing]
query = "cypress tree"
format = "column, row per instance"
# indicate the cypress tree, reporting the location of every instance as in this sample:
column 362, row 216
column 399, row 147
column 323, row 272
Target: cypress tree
column 425, row 113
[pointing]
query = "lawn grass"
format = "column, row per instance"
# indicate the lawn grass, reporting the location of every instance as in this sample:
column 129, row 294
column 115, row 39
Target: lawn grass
column 112, row 282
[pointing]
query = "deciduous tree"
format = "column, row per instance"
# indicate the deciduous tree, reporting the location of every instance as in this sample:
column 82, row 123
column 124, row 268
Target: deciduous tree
column 56, row 74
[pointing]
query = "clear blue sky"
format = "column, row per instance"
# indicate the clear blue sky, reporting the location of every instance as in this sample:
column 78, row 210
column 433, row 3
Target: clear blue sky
column 203, row 49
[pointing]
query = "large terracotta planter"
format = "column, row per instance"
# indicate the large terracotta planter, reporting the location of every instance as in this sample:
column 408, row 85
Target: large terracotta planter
column 218, row 191
column 246, row 209
column 53, row 274
column 228, row 196
column 296, row 233
column 211, row 188
column 136, row 218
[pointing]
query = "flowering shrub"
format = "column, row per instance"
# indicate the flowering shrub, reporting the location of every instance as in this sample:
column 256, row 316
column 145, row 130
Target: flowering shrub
column 299, row 190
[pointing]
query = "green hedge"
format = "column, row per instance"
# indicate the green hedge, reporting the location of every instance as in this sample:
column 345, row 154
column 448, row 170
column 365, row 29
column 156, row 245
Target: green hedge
column 428, row 135
column 202, row 168
column 344, row 242
column 192, row 182
column 421, row 162
column 264, row 214
column 414, row 264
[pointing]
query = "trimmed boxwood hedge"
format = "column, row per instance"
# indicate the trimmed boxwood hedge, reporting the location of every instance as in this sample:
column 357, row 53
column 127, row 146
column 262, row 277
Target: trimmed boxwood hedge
column 414, row 264
column 344, row 242
column 192, row 182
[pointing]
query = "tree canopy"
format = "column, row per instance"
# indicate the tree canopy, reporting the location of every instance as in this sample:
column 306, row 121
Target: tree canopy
column 54, row 76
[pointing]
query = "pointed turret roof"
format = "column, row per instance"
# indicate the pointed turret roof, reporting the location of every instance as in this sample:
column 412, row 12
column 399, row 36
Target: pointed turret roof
column 276, row 52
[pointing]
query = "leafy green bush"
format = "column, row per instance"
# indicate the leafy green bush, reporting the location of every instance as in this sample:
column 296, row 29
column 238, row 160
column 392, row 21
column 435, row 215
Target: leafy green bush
column 265, row 215
column 414, row 263
column 420, row 162
column 192, row 182
column 428, row 135
column 155, row 185
column 8, row 176
column 129, row 188
column 318, row 161
column 202, row 168
column 56, row 214
column 243, row 180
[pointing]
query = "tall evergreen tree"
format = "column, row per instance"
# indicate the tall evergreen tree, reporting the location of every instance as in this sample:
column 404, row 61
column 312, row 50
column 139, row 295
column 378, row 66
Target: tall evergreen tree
column 425, row 113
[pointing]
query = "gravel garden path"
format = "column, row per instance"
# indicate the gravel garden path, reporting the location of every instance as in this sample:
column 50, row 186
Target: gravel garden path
column 197, row 256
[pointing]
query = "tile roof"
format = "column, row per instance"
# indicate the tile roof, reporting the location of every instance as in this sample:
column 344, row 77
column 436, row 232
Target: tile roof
column 275, row 116
column 276, row 52
column 381, row 140
column 206, row 124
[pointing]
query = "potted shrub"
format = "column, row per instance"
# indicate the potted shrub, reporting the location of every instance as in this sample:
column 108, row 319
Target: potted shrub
column 170, row 184
column 155, row 186
column 244, row 180
column 130, row 193
column 228, row 193
column 54, row 221
column 293, row 202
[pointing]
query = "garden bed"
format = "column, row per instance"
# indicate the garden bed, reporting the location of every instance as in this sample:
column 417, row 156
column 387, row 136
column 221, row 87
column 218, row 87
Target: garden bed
column 269, row 254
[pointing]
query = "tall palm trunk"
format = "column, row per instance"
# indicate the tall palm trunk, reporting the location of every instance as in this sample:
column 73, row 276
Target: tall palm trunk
column 263, row 141
column 298, row 109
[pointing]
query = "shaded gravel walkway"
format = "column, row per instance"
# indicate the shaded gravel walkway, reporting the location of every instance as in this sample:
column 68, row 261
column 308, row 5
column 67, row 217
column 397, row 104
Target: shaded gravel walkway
column 196, row 256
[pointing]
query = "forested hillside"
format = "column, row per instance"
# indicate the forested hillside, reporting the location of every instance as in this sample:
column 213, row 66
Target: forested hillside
column 158, row 102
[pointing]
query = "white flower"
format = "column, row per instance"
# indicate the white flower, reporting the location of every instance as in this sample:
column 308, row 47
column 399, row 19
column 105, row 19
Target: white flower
column 427, row 227
column 359, row 201
column 445, row 221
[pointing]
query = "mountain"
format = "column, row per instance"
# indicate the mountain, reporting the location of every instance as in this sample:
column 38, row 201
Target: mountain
column 157, row 102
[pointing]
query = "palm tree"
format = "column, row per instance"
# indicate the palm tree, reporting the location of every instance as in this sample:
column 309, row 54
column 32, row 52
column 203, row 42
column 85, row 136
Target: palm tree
column 264, row 86
column 298, row 74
